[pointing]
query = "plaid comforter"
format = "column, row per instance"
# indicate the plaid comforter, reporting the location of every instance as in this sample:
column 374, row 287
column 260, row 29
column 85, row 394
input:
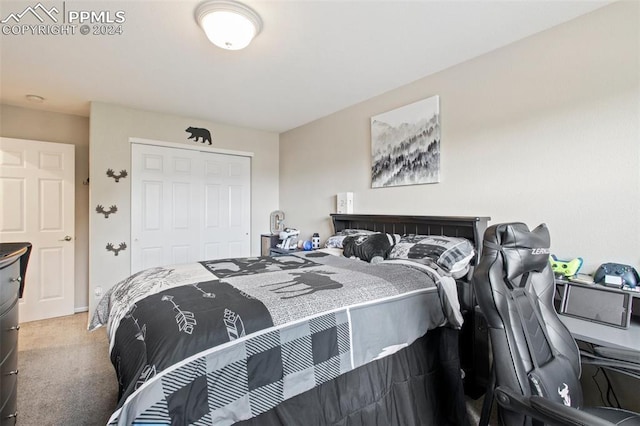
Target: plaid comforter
column 220, row 341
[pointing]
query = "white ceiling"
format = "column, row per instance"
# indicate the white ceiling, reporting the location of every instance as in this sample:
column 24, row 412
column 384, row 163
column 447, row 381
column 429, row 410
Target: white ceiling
column 312, row 58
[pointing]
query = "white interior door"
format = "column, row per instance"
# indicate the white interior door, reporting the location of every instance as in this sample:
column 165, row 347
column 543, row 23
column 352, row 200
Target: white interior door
column 187, row 206
column 37, row 206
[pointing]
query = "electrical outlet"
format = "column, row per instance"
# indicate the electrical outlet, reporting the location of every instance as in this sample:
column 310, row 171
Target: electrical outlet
column 98, row 292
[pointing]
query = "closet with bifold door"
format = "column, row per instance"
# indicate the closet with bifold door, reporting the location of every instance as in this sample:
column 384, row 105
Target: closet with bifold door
column 188, row 205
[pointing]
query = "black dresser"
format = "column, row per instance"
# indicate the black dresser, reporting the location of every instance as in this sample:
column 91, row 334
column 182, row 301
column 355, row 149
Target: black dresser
column 13, row 267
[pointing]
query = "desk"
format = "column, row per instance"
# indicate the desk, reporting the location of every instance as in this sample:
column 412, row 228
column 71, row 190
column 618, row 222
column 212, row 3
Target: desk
column 603, row 335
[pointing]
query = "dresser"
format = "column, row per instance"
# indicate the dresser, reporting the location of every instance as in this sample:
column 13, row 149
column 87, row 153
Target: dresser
column 13, row 265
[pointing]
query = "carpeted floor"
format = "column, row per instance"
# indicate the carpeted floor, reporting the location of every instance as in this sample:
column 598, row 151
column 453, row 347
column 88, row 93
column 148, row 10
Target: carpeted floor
column 66, row 377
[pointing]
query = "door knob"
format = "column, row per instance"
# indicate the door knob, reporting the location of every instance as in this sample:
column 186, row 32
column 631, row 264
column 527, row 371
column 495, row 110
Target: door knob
column 67, row 238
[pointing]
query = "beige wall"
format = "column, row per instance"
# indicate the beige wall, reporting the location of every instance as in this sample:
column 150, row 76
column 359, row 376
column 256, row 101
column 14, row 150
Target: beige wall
column 24, row 123
column 543, row 130
column 111, row 128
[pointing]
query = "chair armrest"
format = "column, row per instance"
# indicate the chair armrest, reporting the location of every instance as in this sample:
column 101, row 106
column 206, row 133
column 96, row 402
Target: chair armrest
column 545, row 410
column 567, row 415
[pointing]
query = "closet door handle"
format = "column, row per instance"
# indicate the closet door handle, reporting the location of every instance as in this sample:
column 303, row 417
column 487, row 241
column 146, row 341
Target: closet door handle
column 15, row 280
column 14, row 328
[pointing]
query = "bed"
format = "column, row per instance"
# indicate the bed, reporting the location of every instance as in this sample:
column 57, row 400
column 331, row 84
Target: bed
column 306, row 338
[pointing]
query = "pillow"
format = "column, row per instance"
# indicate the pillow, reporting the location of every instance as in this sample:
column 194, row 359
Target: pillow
column 335, row 241
column 524, row 250
column 370, row 248
column 452, row 254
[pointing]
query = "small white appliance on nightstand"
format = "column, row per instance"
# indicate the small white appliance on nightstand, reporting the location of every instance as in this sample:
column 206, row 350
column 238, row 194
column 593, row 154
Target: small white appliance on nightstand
column 289, row 239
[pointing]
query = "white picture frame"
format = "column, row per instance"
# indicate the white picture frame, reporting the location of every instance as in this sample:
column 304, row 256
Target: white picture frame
column 405, row 145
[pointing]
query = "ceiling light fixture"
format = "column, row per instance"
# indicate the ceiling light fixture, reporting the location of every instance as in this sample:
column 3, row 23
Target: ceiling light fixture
column 228, row 24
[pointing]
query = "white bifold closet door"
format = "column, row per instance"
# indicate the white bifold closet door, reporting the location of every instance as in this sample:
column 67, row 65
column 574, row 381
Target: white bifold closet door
column 188, row 206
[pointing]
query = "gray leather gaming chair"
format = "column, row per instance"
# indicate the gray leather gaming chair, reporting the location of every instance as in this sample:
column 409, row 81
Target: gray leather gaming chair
column 536, row 362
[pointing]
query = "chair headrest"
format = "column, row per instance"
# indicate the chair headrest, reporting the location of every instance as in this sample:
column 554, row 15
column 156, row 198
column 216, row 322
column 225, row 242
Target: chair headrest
column 523, row 250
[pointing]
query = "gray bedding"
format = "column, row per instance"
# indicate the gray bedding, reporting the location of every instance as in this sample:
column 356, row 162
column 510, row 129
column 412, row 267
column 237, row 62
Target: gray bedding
column 221, row 341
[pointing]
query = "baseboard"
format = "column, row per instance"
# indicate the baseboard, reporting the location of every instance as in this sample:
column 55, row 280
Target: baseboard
column 82, row 309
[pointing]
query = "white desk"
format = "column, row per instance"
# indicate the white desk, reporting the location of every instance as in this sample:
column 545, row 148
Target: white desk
column 603, row 335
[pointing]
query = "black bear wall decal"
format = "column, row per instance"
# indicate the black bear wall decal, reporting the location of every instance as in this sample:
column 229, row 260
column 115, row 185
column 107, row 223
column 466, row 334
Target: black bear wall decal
column 197, row 133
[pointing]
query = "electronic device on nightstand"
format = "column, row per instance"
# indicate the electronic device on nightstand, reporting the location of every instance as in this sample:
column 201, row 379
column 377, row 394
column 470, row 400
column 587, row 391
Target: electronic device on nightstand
column 289, row 239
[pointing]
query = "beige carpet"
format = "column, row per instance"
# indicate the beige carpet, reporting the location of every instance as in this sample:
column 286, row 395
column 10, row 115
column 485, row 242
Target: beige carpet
column 65, row 376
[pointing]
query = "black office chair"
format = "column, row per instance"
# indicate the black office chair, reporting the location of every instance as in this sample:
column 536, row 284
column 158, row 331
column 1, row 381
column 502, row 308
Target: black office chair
column 536, row 362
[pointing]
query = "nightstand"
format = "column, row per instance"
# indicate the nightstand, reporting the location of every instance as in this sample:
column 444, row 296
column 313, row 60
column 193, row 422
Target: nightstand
column 275, row 251
column 267, row 242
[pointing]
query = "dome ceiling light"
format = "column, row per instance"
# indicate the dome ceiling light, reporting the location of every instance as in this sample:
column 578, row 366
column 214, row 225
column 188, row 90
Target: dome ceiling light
column 228, row 24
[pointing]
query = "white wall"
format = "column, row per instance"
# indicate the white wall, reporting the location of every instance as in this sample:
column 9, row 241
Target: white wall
column 543, row 130
column 111, row 128
column 26, row 123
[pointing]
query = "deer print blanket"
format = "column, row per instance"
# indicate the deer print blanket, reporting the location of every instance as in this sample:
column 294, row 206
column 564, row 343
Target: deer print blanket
column 220, row 341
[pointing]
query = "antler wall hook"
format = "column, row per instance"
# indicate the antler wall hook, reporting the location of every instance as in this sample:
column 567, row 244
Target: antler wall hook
column 106, row 213
column 121, row 247
column 111, row 173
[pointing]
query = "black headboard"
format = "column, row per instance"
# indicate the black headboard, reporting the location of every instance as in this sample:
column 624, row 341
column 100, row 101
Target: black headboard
column 473, row 350
column 470, row 227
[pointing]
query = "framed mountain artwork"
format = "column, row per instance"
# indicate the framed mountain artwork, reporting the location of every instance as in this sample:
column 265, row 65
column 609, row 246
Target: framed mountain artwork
column 405, row 145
